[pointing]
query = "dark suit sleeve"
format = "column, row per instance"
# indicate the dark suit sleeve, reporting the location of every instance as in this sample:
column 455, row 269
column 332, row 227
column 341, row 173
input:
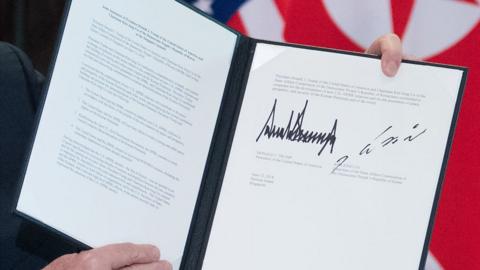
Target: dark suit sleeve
column 22, row 245
column 20, row 88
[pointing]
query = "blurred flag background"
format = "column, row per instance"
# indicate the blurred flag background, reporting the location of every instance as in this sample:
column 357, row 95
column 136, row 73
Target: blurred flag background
column 445, row 31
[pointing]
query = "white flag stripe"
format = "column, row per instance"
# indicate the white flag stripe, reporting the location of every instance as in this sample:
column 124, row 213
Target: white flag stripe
column 262, row 19
column 204, row 5
column 437, row 25
column 361, row 21
column 432, row 263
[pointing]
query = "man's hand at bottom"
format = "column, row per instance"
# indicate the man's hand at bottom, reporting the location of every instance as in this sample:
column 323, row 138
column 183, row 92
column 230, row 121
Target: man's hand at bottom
column 119, row 256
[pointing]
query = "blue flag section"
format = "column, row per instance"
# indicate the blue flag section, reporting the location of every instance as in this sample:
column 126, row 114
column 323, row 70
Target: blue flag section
column 221, row 10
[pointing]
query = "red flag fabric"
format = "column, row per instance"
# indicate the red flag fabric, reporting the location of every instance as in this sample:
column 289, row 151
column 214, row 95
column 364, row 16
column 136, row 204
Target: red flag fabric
column 444, row 31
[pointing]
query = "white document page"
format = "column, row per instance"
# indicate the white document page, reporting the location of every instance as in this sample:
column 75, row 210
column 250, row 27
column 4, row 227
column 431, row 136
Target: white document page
column 333, row 165
column 127, row 124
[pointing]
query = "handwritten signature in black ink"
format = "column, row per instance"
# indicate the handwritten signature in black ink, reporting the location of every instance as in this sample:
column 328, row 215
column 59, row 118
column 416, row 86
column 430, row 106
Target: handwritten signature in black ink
column 384, row 140
column 294, row 131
